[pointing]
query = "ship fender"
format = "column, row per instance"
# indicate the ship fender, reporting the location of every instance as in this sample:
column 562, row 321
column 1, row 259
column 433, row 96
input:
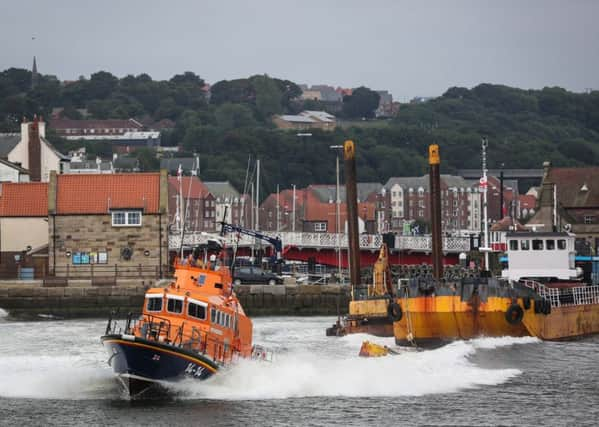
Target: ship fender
column 538, row 306
column 395, row 313
column 547, row 308
column 514, row 314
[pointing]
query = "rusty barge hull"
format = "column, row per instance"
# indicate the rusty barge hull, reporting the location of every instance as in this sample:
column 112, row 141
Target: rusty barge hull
column 435, row 320
column 563, row 323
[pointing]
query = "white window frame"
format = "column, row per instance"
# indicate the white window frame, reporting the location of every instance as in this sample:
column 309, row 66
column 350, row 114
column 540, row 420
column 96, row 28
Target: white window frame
column 320, row 226
column 129, row 215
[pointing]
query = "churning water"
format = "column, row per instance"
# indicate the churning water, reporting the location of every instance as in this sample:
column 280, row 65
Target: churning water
column 55, row 373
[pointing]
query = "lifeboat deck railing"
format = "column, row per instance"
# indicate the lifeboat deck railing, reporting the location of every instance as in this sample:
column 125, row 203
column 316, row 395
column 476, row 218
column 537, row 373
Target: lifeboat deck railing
column 159, row 329
column 563, row 297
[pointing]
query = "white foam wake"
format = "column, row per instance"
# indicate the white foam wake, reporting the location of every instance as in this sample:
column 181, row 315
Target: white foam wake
column 65, row 360
column 306, row 374
column 54, row 377
column 3, row 313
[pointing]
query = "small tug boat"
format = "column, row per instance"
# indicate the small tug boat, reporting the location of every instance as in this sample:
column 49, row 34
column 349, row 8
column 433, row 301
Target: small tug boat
column 191, row 328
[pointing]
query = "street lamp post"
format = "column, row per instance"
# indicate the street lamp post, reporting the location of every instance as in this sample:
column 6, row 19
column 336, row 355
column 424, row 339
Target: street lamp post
column 338, row 213
column 293, row 210
column 278, row 211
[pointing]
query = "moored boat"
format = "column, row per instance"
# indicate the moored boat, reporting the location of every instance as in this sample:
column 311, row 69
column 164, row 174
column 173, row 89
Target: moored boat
column 371, row 309
column 436, row 311
column 191, row 328
column 564, row 307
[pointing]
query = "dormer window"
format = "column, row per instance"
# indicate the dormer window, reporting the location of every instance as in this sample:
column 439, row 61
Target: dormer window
column 124, row 218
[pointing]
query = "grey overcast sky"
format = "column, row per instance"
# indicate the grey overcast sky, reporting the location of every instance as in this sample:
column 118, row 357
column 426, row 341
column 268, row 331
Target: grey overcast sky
column 411, row 48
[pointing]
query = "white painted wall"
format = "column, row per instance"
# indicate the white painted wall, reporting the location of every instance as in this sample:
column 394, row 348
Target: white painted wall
column 9, row 174
column 18, row 233
column 49, row 159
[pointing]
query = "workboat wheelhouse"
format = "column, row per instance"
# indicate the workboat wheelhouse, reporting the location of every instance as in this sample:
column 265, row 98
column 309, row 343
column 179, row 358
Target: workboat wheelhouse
column 191, row 328
column 545, row 256
column 564, row 306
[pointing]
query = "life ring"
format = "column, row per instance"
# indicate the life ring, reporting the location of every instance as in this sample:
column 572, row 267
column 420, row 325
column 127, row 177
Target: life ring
column 514, row 314
column 395, row 312
column 526, row 302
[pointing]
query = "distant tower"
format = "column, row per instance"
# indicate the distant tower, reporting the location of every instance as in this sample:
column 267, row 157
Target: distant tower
column 34, row 75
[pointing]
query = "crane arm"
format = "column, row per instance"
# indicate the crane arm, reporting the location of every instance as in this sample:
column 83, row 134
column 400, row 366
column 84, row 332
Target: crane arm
column 275, row 241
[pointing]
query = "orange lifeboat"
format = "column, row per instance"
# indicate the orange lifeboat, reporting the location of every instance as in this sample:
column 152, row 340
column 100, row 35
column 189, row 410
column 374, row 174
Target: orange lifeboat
column 189, row 329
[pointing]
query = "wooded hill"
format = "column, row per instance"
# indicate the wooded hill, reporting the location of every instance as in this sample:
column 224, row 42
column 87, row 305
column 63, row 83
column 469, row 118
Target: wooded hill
column 523, row 127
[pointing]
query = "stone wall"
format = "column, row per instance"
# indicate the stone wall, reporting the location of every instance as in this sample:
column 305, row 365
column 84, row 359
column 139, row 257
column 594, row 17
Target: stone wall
column 94, row 233
column 31, row 300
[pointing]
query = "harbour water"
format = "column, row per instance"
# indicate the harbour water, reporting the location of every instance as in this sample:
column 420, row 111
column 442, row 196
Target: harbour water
column 55, row 373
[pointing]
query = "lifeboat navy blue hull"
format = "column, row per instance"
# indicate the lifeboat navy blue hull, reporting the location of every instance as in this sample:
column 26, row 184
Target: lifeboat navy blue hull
column 141, row 365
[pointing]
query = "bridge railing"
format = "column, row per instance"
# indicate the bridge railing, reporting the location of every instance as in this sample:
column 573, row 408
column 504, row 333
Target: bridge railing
column 329, row 240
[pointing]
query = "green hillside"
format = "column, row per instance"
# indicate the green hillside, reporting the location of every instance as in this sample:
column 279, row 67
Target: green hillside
column 524, row 127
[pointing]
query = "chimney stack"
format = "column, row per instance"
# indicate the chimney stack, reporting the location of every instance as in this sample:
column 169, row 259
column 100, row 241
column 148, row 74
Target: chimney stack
column 34, row 150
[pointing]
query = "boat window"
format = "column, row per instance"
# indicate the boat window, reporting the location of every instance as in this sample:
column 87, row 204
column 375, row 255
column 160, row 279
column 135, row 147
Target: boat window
column 513, row 245
column 227, row 320
column 154, row 304
column 197, row 311
column 213, row 316
column 537, row 245
column 550, row 244
column 561, row 244
column 525, row 245
column 174, row 305
column 218, row 321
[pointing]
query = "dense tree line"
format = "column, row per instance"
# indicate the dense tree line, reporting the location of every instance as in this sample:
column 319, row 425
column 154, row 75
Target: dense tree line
column 524, row 127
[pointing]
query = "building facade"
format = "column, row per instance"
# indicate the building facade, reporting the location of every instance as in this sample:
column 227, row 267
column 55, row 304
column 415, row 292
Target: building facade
column 35, row 153
column 192, row 204
column 23, row 228
column 569, row 201
column 405, row 201
column 123, row 227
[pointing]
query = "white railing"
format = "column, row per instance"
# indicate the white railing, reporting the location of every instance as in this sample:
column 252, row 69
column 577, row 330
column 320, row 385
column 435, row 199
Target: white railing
column 562, row 297
column 328, row 240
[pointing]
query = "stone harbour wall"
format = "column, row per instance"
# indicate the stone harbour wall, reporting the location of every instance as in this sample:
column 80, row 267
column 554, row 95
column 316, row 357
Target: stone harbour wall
column 31, row 301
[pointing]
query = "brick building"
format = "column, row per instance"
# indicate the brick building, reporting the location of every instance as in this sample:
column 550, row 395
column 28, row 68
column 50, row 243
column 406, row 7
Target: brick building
column 569, row 201
column 316, row 209
column 191, row 202
column 407, row 199
column 231, row 206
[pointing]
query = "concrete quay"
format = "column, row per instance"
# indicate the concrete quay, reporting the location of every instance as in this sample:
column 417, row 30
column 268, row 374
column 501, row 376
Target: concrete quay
column 29, row 300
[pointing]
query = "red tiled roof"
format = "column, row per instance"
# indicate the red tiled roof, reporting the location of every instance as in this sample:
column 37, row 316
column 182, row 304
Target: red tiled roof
column 24, row 199
column 570, row 182
column 198, row 189
column 508, row 224
column 96, row 194
column 527, row 201
column 314, row 210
